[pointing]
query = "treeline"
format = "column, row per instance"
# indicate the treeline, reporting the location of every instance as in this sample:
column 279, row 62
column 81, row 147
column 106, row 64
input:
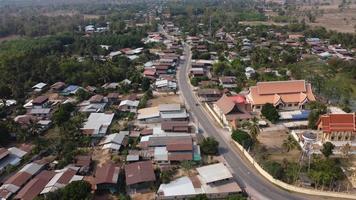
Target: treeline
column 25, row 62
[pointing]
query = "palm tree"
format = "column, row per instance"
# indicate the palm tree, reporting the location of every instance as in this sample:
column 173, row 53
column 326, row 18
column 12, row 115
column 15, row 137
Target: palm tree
column 254, row 129
column 289, row 144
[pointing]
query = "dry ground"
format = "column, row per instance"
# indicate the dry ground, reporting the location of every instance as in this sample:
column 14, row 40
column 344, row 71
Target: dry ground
column 164, row 98
column 143, row 196
column 334, row 18
column 101, row 156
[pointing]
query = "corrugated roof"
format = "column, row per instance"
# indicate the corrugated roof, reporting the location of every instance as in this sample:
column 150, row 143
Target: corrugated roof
column 214, row 172
column 35, row 186
column 139, row 172
column 107, row 173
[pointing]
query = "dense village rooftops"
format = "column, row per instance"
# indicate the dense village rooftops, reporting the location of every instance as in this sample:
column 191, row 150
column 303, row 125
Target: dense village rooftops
column 35, row 185
column 337, row 122
column 139, row 172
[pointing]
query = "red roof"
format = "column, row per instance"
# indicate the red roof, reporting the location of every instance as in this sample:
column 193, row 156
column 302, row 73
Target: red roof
column 66, row 176
column 40, row 100
column 35, row 186
column 337, row 122
column 18, row 179
column 139, row 172
column 107, row 173
column 239, row 99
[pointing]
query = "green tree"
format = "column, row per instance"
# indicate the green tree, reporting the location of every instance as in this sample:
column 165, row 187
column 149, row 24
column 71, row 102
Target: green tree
column 253, row 128
column 209, row 146
column 289, row 143
column 4, row 134
column 324, row 171
column 327, row 149
column 146, row 84
column 63, row 113
column 242, row 138
column 270, row 112
column 275, row 169
column 82, row 94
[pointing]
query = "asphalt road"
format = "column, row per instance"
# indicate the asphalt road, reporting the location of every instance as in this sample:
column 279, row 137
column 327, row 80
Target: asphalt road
column 247, row 177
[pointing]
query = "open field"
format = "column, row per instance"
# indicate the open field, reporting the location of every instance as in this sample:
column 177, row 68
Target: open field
column 164, row 98
column 333, row 17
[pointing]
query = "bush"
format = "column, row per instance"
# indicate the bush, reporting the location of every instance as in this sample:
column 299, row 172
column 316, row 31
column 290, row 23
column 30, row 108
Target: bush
column 209, row 146
column 275, row 169
column 242, row 138
column 270, row 112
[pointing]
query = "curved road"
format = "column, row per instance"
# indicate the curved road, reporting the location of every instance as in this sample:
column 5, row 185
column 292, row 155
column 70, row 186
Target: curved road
column 245, row 174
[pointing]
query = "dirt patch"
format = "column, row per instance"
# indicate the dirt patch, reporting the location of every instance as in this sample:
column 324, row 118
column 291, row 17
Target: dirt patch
column 101, row 156
column 273, row 137
column 143, row 196
column 164, row 98
column 291, row 156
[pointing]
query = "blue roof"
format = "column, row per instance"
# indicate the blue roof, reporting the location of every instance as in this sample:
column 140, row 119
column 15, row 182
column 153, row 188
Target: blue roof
column 303, row 115
column 70, row 88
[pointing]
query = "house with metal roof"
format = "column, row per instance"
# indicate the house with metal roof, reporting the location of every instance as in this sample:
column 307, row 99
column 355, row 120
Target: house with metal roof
column 114, row 141
column 15, row 182
column 139, row 176
column 106, row 177
column 97, row 124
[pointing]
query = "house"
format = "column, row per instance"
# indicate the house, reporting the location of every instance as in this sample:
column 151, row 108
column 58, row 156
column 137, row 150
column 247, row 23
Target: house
column 150, row 73
column 41, row 113
column 39, row 87
column 164, row 85
column 228, row 82
column 58, row 86
column 107, row 177
column 97, row 124
column 114, row 141
column 11, row 157
column 232, row 109
column 338, row 128
column 171, row 147
column 284, row 95
column 96, row 103
column 70, row 90
column 40, row 102
column 197, row 72
column 215, row 181
column 172, row 112
column 33, row 188
column 209, row 94
column 83, row 162
column 113, row 97
column 139, row 176
column 175, row 126
column 149, row 115
column 62, row 178
column 128, row 106
column 13, row 184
